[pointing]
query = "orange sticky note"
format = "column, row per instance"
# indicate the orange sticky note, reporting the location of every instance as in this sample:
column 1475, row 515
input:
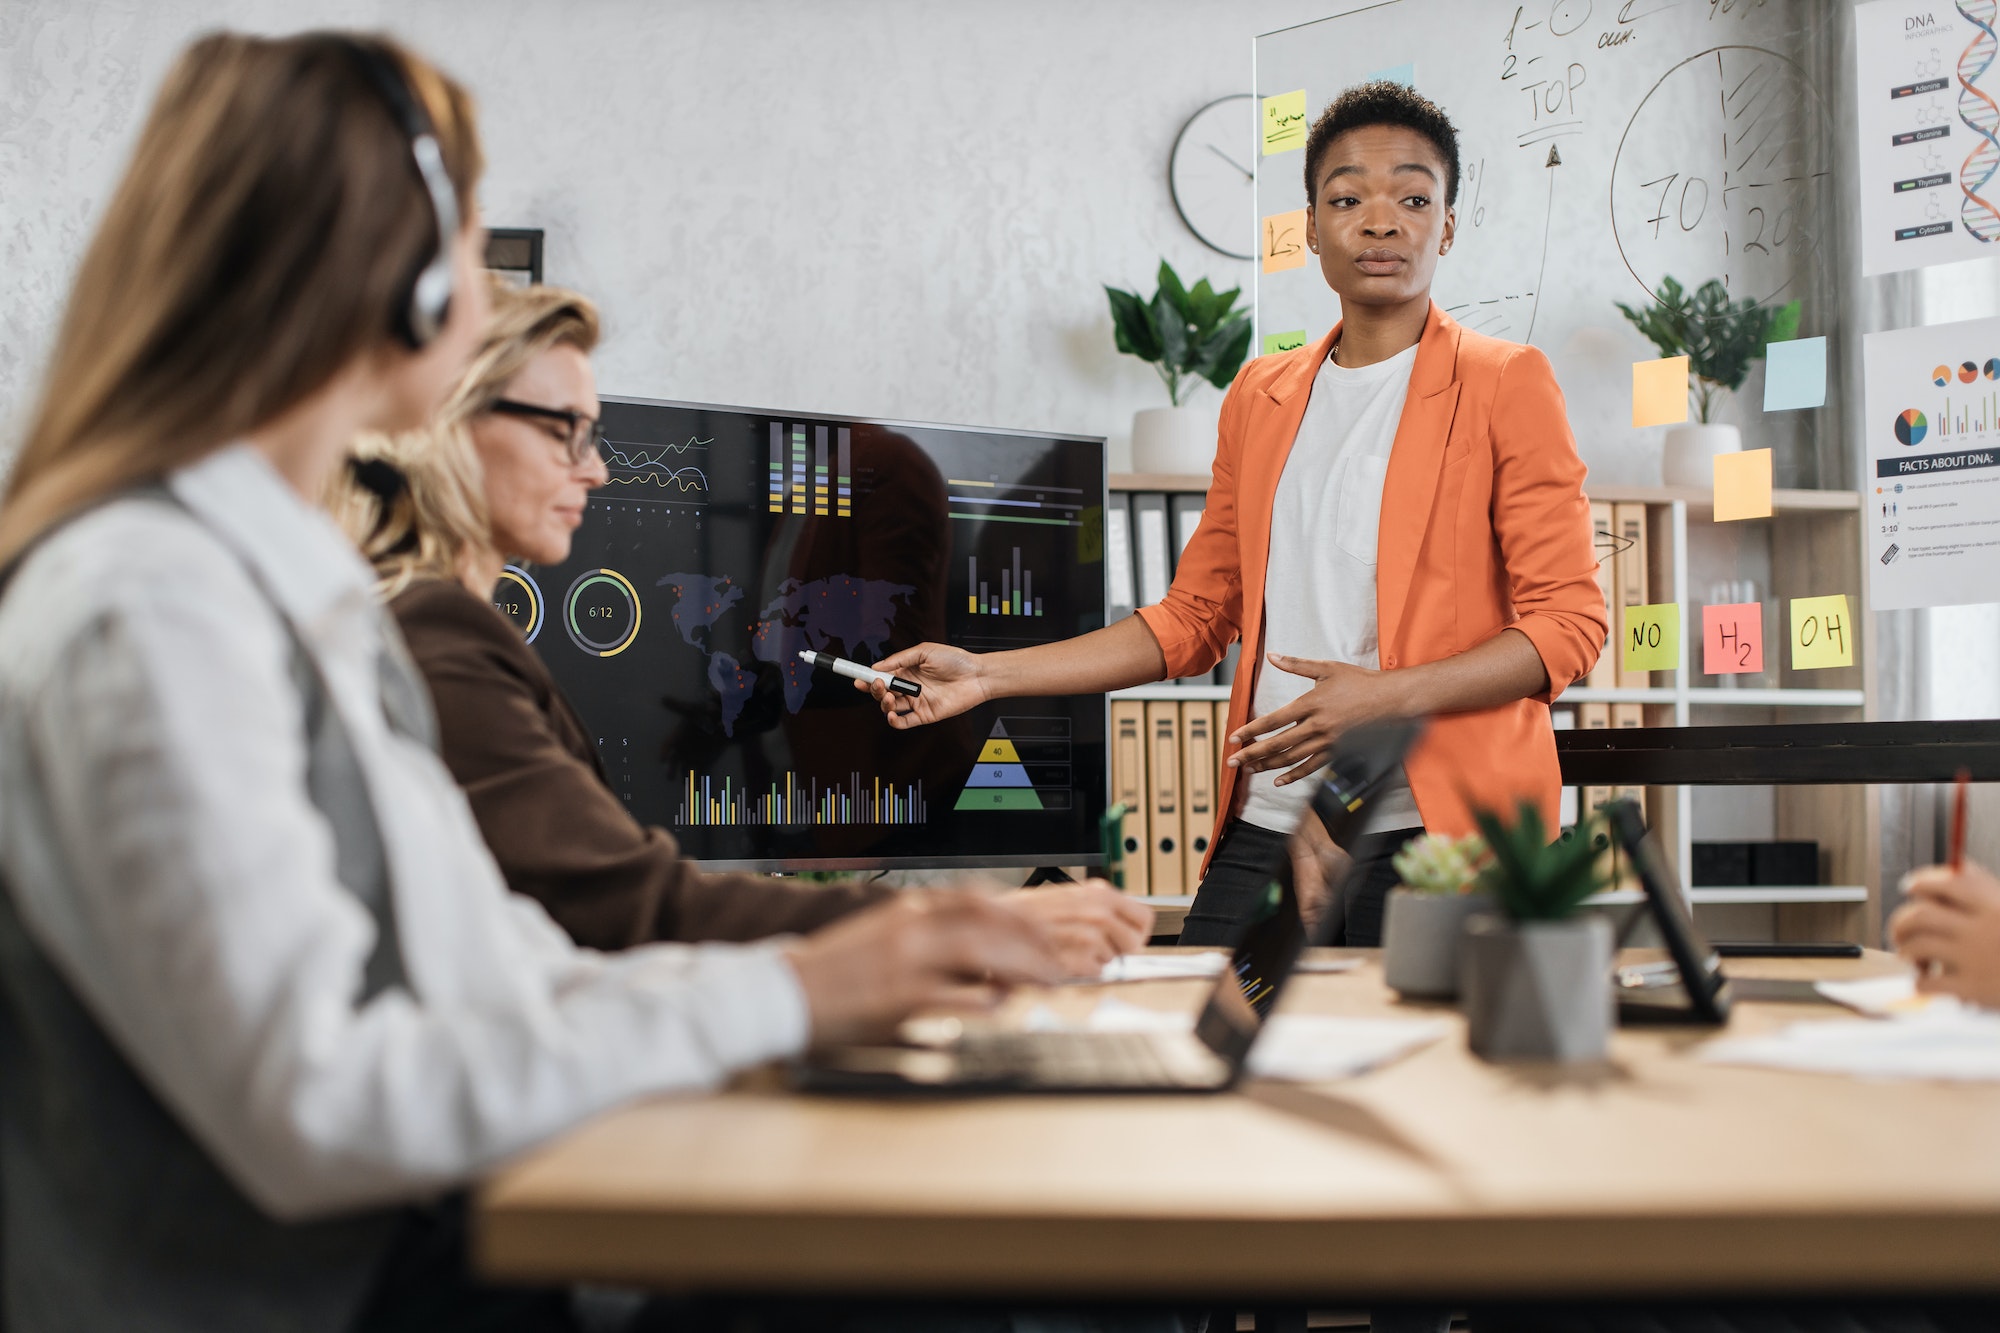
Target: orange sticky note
column 1659, row 391
column 1743, row 485
column 1732, row 639
column 1284, row 244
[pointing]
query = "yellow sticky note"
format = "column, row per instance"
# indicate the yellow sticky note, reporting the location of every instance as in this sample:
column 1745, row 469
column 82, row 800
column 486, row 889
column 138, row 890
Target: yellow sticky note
column 1822, row 633
column 1653, row 637
column 1284, row 122
column 1660, row 391
column 1743, row 485
column 1284, row 243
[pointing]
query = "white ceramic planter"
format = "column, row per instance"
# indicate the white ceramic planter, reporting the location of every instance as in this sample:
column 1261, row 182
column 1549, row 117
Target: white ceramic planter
column 1420, row 935
column 1173, row 439
column 1537, row 990
column 1687, row 458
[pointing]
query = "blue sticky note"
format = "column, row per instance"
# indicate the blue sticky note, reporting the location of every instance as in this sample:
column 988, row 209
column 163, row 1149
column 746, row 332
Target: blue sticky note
column 1405, row 74
column 1794, row 374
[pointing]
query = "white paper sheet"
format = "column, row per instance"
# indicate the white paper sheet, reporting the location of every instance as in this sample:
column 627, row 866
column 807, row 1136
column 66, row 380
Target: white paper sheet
column 1164, row 966
column 1293, row 1048
column 1877, row 997
column 1946, row 1042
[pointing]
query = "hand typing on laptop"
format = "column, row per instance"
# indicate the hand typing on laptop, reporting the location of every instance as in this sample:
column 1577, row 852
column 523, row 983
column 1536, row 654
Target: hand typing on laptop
column 1088, row 924
column 924, row 949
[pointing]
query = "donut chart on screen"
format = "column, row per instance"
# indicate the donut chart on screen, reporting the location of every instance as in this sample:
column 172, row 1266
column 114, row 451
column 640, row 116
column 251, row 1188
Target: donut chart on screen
column 519, row 598
column 1910, row 427
column 601, row 612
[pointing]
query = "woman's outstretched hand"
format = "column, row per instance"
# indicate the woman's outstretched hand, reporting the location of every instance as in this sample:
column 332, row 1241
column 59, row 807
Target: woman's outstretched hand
column 952, row 678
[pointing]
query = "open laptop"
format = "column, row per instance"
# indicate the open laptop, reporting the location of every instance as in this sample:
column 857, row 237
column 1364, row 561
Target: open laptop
column 1208, row 1059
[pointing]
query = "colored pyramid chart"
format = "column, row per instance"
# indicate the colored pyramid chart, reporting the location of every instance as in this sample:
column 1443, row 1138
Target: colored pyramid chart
column 999, row 780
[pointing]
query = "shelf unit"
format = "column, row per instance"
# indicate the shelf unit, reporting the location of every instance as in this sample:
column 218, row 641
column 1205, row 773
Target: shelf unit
column 1809, row 546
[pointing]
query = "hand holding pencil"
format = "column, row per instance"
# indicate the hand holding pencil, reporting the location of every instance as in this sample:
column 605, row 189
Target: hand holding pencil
column 1949, row 923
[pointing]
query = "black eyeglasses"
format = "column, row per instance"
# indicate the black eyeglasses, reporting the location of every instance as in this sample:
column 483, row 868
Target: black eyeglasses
column 580, row 431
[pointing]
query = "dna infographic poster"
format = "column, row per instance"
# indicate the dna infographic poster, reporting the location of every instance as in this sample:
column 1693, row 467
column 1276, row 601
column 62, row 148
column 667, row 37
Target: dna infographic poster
column 1930, row 501
column 1930, row 132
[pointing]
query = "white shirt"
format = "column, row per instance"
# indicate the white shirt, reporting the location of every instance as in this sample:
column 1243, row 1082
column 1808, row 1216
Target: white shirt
column 156, row 834
column 1319, row 593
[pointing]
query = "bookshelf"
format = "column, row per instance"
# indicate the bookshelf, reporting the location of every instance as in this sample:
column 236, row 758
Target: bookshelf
column 1811, row 545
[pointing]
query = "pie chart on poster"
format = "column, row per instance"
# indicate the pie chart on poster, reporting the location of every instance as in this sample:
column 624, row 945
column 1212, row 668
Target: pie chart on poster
column 1910, row 427
column 1968, row 372
column 1941, row 376
column 1992, row 368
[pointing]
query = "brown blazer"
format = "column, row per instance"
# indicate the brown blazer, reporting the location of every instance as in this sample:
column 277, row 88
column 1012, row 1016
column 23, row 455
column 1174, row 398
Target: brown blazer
column 538, row 789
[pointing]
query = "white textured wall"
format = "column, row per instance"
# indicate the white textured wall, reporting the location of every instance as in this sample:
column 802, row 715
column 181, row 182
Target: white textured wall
column 890, row 208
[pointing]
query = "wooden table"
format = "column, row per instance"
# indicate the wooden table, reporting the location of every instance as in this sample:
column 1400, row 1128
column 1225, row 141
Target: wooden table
column 1438, row 1176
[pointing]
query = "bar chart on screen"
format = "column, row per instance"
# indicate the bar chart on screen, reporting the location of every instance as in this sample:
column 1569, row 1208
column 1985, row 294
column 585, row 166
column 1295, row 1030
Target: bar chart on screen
column 1014, row 594
column 710, row 802
column 815, row 478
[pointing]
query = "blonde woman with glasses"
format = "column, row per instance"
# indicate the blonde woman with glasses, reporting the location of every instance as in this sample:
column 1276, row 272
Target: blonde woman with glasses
column 505, row 472
column 264, row 996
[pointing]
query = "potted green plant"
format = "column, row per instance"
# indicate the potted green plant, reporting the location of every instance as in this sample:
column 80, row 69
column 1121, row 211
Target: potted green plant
column 1535, row 977
column 1721, row 339
column 1187, row 334
column 1427, row 912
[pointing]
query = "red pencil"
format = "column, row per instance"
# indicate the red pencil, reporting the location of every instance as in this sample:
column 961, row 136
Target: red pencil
column 1958, row 822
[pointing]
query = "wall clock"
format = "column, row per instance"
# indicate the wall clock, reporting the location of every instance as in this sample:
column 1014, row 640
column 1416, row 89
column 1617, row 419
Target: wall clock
column 1211, row 177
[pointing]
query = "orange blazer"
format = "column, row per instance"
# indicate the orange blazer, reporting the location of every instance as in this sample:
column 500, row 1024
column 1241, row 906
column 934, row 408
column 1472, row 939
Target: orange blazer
column 1484, row 527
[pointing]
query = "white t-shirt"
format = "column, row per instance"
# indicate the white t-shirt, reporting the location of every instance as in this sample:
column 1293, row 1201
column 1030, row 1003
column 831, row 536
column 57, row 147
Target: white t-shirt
column 1319, row 590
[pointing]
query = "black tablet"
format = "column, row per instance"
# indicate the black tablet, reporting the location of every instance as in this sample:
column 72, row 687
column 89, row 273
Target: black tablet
column 1694, row 990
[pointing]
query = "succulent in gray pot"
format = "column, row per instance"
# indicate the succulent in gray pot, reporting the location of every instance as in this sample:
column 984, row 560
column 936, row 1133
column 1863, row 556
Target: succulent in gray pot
column 1427, row 912
column 1534, row 977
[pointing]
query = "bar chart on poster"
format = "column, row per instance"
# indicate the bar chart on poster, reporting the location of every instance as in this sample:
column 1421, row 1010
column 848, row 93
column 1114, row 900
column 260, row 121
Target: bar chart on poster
column 725, row 541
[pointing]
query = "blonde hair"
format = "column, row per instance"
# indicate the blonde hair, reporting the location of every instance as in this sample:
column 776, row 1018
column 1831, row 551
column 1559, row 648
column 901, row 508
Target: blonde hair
column 265, row 234
column 437, row 520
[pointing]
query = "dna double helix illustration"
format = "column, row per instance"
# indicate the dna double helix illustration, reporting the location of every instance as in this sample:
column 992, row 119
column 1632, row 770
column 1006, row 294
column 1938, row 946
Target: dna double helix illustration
column 1982, row 117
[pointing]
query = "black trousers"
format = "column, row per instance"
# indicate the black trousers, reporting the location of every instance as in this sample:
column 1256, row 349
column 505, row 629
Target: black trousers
column 1248, row 857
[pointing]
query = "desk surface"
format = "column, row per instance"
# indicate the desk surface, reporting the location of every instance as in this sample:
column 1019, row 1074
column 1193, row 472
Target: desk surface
column 1438, row 1175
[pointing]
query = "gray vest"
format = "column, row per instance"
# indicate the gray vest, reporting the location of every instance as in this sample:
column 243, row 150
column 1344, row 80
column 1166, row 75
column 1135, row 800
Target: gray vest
column 111, row 1216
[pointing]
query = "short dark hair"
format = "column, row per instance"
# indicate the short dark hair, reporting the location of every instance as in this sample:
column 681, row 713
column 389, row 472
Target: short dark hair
column 1381, row 102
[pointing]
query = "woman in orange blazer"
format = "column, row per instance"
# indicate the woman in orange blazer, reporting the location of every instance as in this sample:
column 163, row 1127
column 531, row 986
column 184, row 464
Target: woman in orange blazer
column 1485, row 600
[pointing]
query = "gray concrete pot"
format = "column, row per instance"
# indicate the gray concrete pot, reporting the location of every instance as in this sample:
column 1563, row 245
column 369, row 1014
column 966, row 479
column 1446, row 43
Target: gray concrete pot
column 1537, row 990
column 1420, row 936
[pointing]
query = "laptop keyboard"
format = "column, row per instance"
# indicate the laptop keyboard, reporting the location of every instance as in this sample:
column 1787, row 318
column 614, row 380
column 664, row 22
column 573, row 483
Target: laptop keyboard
column 1088, row 1059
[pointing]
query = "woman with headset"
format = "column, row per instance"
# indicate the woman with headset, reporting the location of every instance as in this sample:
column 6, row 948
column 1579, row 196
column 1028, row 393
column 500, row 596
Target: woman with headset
column 263, row 992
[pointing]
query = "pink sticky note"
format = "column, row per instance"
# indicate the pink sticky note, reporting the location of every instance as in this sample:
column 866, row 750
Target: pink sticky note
column 1732, row 639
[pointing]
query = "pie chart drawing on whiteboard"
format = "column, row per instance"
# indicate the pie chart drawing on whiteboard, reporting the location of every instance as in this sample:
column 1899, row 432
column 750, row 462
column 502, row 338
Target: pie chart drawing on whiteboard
column 1910, row 427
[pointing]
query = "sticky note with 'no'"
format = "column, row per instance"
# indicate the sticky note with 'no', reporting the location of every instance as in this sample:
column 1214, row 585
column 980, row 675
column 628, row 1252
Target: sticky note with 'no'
column 1823, row 633
column 1743, row 485
column 1652, row 637
column 1284, row 241
column 1284, row 122
column 1660, row 391
column 1732, row 639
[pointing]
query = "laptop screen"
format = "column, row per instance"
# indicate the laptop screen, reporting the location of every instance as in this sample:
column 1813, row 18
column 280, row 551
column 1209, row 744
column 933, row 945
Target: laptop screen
column 1265, row 957
column 1269, row 949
